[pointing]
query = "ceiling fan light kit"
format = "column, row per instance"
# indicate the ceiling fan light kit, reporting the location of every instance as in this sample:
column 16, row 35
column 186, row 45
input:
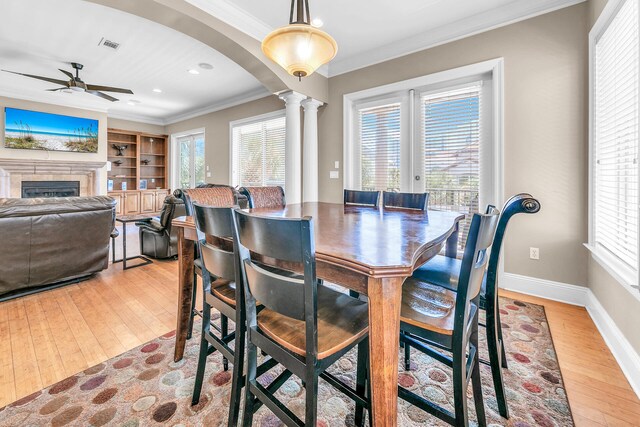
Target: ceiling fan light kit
column 299, row 47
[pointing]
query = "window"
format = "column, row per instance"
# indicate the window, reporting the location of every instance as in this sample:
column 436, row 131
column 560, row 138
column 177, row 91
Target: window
column 615, row 55
column 189, row 163
column 258, row 153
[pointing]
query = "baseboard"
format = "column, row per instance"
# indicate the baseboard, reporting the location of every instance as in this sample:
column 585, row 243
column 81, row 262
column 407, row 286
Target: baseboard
column 624, row 353
column 548, row 289
column 627, row 357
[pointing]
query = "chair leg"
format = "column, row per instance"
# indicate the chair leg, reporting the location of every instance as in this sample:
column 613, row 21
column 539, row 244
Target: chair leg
column 252, row 361
column 193, row 305
column 496, row 360
column 407, row 356
column 499, row 328
column 361, row 378
column 460, row 389
column 476, row 380
column 202, row 357
column 311, row 402
column 238, row 371
column 224, row 328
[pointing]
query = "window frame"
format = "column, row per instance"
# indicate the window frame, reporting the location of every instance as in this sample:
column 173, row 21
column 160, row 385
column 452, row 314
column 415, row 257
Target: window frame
column 617, row 268
column 174, row 155
column 415, row 87
column 243, row 122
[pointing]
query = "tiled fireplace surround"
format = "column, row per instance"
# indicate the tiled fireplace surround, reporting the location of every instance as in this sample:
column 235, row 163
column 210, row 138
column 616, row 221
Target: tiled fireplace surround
column 13, row 172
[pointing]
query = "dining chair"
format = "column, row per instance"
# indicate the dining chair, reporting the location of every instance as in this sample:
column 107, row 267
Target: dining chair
column 444, row 272
column 220, row 196
column 304, row 326
column 220, row 277
column 433, row 318
column 264, row 197
column 418, row 201
column 362, row 198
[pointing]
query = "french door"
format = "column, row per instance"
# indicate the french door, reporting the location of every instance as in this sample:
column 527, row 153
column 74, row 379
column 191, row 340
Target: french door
column 189, row 163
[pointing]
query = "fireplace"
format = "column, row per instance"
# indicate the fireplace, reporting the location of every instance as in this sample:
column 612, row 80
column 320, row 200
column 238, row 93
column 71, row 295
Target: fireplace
column 31, row 189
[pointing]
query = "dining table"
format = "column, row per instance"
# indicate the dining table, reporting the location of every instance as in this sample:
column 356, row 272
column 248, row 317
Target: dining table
column 370, row 250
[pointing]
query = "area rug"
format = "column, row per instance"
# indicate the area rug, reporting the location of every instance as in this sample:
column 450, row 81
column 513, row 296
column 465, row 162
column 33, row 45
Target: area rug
column 144, row 387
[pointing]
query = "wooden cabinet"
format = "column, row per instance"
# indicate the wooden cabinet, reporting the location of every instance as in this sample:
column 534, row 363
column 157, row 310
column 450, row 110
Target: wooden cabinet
column 132, row 203
column 139, row 201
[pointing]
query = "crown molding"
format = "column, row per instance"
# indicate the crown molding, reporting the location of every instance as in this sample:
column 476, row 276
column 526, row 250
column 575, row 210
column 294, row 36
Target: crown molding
column 69, row 101
column 222, row 105
column 486, row 21
column 140, row 118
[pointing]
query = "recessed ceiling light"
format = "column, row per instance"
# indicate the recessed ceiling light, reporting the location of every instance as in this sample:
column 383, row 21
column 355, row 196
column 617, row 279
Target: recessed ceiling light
column 205, row 66
column 193, row 71
column 317, row 22
column 156, row 90
column 133, row 102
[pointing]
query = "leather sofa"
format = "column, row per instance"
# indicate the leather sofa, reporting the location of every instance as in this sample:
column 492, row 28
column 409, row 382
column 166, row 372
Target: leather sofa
column 53, row 241
column 158, row 239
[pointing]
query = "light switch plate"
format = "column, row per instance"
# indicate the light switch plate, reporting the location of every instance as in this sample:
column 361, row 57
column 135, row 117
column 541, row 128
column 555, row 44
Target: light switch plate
column 337, row 164
column 334, row 174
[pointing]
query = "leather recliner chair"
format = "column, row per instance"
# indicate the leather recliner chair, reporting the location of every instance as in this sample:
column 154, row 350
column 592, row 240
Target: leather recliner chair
column 157, row 237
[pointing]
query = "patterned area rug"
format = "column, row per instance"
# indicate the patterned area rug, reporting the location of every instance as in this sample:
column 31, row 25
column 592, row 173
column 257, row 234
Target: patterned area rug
column 145, row 387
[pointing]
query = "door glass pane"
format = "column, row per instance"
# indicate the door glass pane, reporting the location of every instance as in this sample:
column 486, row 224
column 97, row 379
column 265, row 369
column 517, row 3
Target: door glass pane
column 199, row 167
column 185, row 155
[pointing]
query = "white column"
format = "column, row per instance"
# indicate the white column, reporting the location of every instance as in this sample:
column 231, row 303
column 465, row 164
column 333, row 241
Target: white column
column 310, row 150
column 293, row 147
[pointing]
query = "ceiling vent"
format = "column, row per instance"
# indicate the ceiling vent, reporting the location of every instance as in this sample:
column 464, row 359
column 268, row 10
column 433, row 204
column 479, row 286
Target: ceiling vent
column 108, row 43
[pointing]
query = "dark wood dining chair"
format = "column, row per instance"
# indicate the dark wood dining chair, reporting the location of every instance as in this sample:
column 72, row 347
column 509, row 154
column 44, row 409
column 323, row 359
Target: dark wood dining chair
column 264, row 197
column 418, row 201
column 434, row 319
column 362, row 198
column 304, row 326
column 220, row 277
column 220, row 196
column 444, row 272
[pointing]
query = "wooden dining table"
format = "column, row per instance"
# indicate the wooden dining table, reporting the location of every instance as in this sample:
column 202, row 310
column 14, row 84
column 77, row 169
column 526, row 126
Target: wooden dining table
column 366, row 249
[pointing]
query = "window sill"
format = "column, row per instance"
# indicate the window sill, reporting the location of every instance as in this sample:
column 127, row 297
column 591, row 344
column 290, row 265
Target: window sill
column 618, row 270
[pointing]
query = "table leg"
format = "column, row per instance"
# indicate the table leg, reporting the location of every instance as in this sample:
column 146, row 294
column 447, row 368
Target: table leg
column 124, row 245
column 385, row 298
column 451, row 249
column 185, row 290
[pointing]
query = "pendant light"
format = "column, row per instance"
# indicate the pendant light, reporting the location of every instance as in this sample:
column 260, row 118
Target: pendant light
column 299, row 47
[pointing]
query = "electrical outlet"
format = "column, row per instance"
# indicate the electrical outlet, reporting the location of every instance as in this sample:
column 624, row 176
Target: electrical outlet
column 334, row 174
column 534, row 253
column 208, row 174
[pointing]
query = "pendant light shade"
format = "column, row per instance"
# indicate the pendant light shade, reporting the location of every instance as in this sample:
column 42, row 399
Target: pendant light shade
column 299, row 48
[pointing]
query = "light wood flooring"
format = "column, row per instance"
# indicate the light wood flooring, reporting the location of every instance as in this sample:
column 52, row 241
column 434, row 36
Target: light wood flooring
column 49, row 336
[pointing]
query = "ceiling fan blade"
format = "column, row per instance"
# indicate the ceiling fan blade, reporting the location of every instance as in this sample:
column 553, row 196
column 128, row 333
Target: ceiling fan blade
column 67, row 73
column 102, row 95
column 54, row 90
column 109, row 89
column 46, row 79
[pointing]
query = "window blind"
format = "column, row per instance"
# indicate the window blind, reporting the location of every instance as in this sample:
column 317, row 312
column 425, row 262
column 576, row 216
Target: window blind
column 451, row 140
column 379, row 136
column 259, row 153
column 615, row 130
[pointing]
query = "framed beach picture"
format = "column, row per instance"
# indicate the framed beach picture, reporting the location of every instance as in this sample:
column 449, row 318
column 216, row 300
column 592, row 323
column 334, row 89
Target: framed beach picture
column 143, row 184
column 34, row 130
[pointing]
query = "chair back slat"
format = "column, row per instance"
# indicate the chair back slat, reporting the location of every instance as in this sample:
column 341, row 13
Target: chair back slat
column 264, row 197
column 363, row 198
column 284, row 295
column 213, row 225
column 474, row 263
column 417, row 201
column 277, row 238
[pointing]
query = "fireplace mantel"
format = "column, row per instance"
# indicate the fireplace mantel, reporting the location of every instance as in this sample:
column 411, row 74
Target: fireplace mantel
column 14, row 171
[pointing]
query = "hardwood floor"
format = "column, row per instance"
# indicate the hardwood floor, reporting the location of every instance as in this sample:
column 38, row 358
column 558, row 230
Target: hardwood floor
column 51, row 335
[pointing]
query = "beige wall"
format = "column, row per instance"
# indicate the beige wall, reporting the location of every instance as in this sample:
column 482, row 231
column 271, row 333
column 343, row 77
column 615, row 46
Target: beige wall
column 100, row 156
column 216, row 127
column 135, row 126
column 623, row 308
column 545, row 130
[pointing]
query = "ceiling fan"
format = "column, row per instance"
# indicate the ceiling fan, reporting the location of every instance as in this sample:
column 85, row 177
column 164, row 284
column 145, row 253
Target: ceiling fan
column 76, row 84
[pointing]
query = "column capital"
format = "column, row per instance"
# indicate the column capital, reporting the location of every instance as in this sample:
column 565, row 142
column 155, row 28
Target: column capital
column 311, row 104
column 292, row 98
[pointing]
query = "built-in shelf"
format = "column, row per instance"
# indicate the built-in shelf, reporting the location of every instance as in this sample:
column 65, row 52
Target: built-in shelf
column 151, row 154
